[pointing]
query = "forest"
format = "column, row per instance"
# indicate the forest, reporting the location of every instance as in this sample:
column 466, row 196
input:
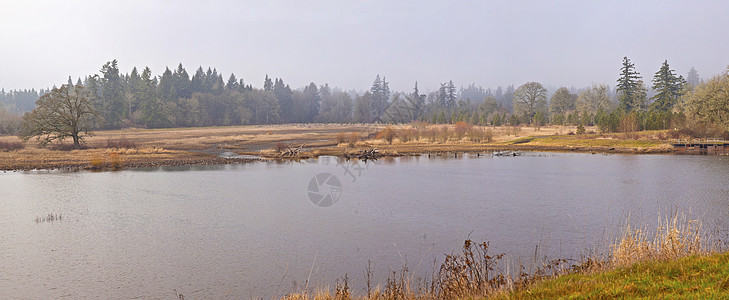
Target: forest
column 176, row 99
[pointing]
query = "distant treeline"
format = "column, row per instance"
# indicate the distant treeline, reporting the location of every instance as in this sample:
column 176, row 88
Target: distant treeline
column 20, row 101
column 176, row 99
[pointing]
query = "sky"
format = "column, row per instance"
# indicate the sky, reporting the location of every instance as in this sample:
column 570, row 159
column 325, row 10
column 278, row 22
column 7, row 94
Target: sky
column 346, row 43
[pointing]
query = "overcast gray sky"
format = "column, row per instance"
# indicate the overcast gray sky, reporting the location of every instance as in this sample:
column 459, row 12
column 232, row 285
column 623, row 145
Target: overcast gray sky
column 346, row 43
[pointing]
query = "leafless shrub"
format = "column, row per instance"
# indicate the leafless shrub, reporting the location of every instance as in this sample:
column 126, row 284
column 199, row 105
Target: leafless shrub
column 11, row 146
column 121, row 142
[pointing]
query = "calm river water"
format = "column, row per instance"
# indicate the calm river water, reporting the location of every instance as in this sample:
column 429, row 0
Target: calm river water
column 252, row 230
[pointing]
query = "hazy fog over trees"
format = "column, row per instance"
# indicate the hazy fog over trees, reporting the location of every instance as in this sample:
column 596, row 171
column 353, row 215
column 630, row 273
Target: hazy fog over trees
column 173, row 98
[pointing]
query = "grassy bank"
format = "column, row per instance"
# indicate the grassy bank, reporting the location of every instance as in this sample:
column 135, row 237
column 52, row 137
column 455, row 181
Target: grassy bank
column 693, row 277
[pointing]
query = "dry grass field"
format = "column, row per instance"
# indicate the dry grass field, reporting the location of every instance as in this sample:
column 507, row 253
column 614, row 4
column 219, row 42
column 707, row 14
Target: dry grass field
column 180, row 146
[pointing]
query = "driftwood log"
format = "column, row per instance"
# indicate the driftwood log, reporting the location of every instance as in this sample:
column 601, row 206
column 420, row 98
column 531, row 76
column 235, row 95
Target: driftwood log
column 365, row 155
column 291, row 152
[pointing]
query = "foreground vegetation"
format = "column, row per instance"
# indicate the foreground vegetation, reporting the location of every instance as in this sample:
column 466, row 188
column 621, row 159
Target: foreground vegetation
column 678, row 260
column 693, row 277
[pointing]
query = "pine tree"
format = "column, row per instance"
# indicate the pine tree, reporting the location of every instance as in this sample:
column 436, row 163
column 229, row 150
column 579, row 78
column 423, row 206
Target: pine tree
column 450, row 95
column 668, row 88
column 152, row 115
column 416, row 101
column 181, row 82
column 496, row 120
column 693, row 78
column 197, row 83
column 475, row 118
column 112, row 107
column 232, row 83
column 166, row 89
column 267, row 84
column 285, row 98
column 133, row 86
column 312, row 100
column 629, row 87
column 380, row 98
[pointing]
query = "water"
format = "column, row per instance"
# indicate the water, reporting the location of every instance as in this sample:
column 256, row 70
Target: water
column 238, row 231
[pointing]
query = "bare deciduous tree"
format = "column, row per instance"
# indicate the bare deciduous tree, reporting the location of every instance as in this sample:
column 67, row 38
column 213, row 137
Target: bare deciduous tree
column 530, row 98
column 64, row 112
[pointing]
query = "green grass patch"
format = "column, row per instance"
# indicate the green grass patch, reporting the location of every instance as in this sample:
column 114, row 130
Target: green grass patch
column 523, row 140
column 694, row 277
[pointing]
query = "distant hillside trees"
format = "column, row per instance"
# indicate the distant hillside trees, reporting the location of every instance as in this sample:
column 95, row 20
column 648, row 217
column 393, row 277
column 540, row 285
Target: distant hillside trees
column 20, row 101
column 207, row 98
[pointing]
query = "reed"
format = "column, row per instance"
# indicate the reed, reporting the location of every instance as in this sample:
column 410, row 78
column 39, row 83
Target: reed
column 50, row 217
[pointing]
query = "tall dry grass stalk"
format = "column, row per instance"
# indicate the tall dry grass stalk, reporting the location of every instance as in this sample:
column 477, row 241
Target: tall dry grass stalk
column 675, row 237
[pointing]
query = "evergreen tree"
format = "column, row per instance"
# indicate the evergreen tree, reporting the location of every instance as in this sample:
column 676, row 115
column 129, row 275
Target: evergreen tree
column 133, row 86
column 668, row 88
column 285, row 99
column 197, row 83
column 166, row 89
column 415, row 103
column 496, row 120
column 629, row 87
column 267, row 84
column 447, row 96
column 508, row 99
column 150, row 107
column 312, row 102
column 181, row 82
column 693, row 78
column 232, row 83
column 475, row 118
column 450, row 95
column 380, row 98
column 112, row 107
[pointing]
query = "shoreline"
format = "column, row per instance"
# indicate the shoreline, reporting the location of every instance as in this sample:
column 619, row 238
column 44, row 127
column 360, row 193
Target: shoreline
column 142, row 148
column 189, row 158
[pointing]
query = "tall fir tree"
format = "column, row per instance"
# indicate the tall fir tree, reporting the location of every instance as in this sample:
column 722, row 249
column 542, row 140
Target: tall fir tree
column 267, row 84
column 232, row 83
column 668, row 88
column 629, row 86
column 181, row 82
column 113, row 108
column 693, row 78
column 285, row 99
column 380, row 98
